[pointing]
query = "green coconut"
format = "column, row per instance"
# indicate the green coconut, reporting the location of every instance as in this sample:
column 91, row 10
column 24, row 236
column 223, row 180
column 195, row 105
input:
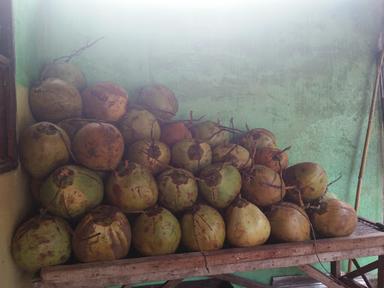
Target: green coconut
column 43, row 147
column 203, row 229
column 70, row 191
column 132, row 188
column 152, row 154
column 98, row 146
column 234, row 154
column 309, row 180
column 41, row 241
column 289, row 223
column 156, row 232
column 246, row 224
column 220, row 184
column 211, row 133
column 104, row 234
column 262, row 186
column 191, row 155
column 334, row 218
column 257, row 138
column 160, row 100
column 54, row 100
column 65, row 71
column 177, row 189
column 139, row 124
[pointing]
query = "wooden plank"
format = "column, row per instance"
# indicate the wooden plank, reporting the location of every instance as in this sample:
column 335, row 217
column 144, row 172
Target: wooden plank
column 316, row 274
column 241, row 281
column 336, row 269
column 193, row 264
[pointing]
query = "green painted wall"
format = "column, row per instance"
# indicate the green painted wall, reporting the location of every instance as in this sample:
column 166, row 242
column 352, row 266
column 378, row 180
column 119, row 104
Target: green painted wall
column 302, row 69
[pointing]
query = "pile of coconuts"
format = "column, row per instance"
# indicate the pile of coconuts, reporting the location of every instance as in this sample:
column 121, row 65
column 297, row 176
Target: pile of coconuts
column 117, row 178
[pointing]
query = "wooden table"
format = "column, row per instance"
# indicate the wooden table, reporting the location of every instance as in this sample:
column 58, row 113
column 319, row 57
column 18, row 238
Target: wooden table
column 365, row 241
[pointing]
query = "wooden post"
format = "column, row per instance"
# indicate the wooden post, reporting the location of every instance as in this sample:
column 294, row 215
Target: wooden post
column 336, row 269
column 380, row 274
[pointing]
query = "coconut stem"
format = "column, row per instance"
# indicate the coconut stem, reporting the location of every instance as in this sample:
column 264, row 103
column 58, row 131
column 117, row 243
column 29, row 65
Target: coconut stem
column 78, row 51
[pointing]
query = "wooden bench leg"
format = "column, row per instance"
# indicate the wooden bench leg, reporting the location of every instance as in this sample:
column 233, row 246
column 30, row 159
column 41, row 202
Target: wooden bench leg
column 380, row 270
column 336, row 269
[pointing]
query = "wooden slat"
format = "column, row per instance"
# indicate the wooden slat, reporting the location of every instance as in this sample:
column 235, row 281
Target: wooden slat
column 357, row 265
column 366, row 241
column 316, row 274
column 123, row 271
column 362, row 270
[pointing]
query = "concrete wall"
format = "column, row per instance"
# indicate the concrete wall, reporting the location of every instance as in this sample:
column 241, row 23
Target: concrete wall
column 302, row 69
column 15, row 200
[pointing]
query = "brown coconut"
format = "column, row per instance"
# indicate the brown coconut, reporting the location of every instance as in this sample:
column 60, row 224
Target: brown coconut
column 203, row 229
column 289, row 223
column 273, row 158
column 257, row 138
column 246, row 224
column 104, row 234
column 98, row 146
column 72, row 125
column 105, row 101
column 234, row 154
column 65, row 71
column 262, row 186
column 334, row 218
column 160, row 100
column 309, row 180
column 54, row 100
column 174, row 132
